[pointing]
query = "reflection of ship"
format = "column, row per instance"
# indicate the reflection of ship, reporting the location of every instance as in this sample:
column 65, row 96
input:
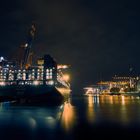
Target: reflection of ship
column 23, row 82
column 68, row 116
column 29, row 119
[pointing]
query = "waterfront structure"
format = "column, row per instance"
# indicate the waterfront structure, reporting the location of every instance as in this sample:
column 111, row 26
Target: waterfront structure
column 120, row 84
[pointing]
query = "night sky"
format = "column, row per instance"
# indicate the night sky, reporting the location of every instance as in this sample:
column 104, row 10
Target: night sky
column 98, row 38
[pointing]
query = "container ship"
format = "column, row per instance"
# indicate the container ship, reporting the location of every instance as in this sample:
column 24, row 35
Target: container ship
column 39, row 84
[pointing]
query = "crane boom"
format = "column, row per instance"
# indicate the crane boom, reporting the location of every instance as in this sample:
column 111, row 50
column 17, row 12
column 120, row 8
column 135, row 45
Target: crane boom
column 28, row 45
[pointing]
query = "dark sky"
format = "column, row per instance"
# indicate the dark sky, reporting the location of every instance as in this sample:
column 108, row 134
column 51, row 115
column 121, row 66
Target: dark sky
column 98, row 38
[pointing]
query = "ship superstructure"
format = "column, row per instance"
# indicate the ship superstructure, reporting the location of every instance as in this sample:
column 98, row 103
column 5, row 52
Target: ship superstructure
column 44, row 73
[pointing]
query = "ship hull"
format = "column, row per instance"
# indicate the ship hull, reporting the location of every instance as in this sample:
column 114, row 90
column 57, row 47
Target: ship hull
column 32, row 95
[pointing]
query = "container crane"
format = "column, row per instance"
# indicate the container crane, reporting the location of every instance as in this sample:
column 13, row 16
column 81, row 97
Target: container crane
column 27, row 47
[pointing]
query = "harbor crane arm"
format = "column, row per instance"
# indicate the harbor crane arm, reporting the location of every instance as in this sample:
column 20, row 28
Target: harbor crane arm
column 28, row 45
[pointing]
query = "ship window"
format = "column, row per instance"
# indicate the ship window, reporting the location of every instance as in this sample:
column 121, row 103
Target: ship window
column 47, row 77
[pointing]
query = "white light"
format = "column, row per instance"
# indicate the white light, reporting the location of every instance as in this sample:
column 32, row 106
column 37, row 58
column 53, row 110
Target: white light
column 2, row 84
column 51, row 82
column 1, row 59
column 26, row 45
column 36, row 83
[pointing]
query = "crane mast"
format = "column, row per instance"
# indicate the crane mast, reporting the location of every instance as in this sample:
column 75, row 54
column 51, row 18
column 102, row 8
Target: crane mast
column 27, row 47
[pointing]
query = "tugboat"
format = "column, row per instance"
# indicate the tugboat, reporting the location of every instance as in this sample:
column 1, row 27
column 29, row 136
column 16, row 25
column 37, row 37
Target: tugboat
column 32, row 85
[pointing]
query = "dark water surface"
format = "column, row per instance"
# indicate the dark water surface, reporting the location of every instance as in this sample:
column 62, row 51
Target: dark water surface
column 81, row 117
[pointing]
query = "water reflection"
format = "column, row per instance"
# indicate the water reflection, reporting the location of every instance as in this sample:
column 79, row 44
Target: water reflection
column 29, row 122
column 90, row 109
column 119, row 109
column 68, row 116
column 74, row 116
column 34, row 119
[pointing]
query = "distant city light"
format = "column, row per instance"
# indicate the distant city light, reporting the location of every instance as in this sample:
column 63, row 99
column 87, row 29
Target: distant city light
column 1, row 59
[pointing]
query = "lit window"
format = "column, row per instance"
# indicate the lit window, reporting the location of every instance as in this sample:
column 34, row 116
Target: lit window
column 47, row 77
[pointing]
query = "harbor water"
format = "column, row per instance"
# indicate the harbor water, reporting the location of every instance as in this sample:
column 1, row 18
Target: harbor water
column 79, row 117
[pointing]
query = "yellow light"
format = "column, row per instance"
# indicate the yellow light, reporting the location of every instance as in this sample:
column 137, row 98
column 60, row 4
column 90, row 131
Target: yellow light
column 123, row 100
column 68, row 116
column 66, row 77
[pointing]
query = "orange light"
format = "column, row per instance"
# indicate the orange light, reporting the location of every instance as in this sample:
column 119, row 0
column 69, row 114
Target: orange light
column 66, row 77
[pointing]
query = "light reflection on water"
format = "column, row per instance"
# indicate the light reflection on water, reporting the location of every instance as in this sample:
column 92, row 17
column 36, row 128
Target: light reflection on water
column 117, row 109
column 70, row 117
column 32, row 120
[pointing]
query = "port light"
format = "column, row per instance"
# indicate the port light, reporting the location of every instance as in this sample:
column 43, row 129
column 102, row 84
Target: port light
column 51, row 82
column 26, row 45
column 36, row 83
column 1, row 59
column 62, row 66
column 66, row 77
column 2, row 83
column 89, row 90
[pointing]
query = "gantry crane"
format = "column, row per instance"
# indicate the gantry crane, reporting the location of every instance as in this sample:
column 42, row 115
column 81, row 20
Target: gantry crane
column 27, row 47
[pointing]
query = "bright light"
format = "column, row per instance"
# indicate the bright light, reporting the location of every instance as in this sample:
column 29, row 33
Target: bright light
column 89, row 91
column 2, row 84
column 26, row 45
column 51, row 82
column 1, row 59
column 36, row 83
column 62, row 66
column 68, row 116
column 123, row 100
column 66, row 77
